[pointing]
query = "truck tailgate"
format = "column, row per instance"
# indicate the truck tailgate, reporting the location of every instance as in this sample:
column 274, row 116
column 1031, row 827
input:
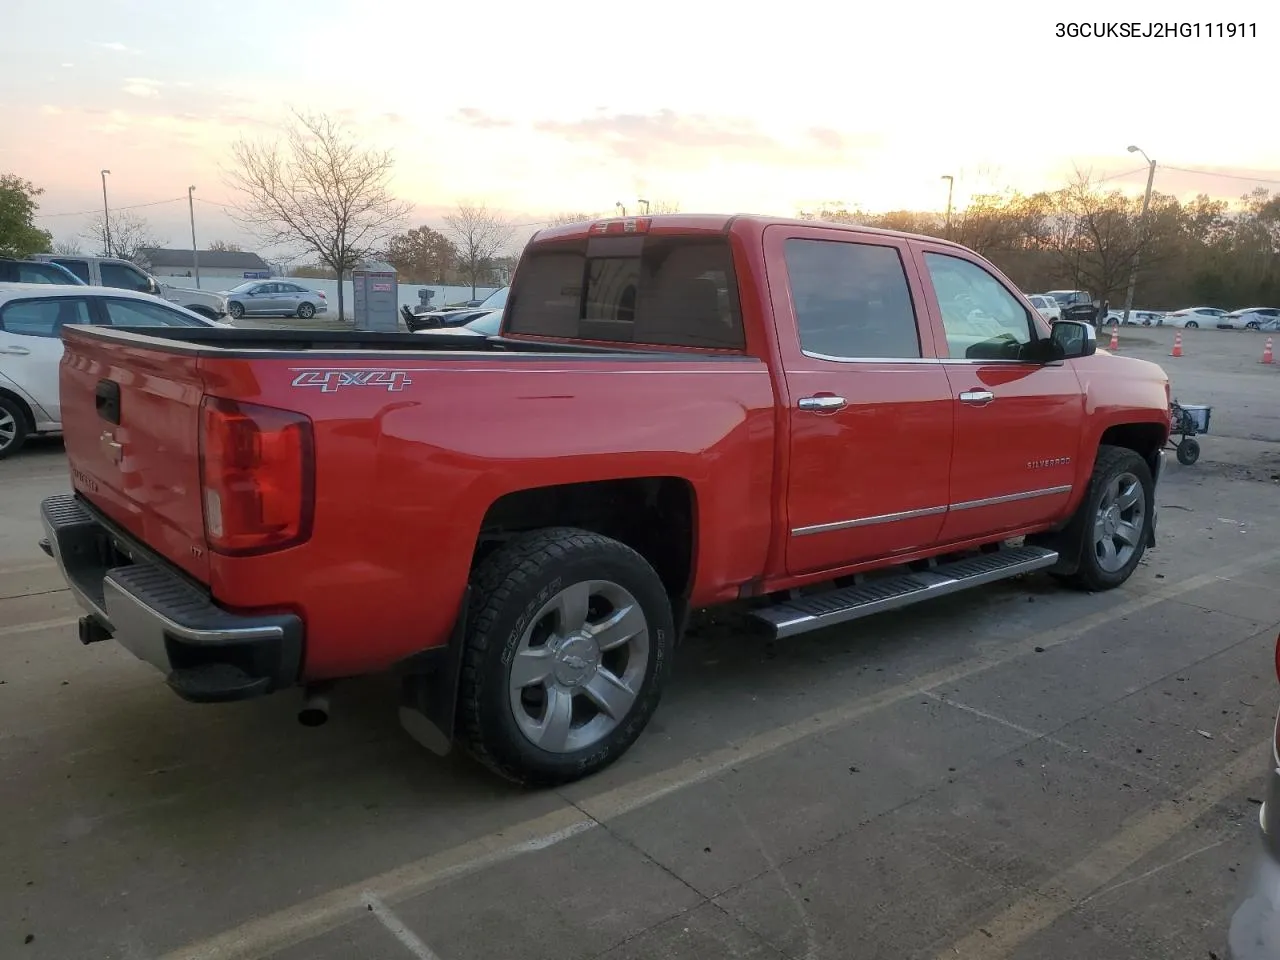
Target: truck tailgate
column 131, row 424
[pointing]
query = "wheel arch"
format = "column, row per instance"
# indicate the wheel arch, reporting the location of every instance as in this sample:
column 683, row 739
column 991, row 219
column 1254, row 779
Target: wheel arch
column 1146, row 439
column 655, row 516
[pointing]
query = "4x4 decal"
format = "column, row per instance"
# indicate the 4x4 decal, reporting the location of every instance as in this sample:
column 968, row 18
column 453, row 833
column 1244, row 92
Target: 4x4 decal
column 329, row 380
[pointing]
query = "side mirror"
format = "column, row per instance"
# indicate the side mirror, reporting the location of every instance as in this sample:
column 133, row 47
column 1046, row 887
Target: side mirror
column 153, row 287
column 1074, row 339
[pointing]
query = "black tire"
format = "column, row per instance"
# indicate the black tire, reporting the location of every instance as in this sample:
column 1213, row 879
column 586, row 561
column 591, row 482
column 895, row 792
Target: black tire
column 1251, row 325
column 306, row 311
column 235, row 310
column 1111, row 463
column 14, row 428
column 1192, row 325
column 508, row 589
column 1188, row 451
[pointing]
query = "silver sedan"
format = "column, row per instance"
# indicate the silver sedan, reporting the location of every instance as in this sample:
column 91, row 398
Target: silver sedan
column 274, row 298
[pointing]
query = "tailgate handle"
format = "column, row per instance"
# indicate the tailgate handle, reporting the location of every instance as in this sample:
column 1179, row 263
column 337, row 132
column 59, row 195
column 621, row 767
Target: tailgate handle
column 106, row 398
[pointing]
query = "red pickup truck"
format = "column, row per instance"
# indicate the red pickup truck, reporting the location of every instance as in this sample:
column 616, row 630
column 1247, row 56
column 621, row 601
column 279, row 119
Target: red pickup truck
column 817, row 421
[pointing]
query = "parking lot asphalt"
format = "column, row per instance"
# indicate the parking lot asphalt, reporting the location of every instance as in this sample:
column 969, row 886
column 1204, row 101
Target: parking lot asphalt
column 1020, row 772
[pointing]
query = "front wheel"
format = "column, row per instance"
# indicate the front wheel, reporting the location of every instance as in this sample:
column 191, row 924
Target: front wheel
column 236, row 310
column 569, row 640
column 1116, row 518
column 1192, row 325
column 1252, row 325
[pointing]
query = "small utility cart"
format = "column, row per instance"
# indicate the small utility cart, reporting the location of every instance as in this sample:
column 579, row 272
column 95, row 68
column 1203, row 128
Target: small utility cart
column 1187, row 420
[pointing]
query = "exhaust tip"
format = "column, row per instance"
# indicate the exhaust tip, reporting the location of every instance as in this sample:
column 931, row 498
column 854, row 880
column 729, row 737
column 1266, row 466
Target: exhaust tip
column 315, row 710
column 313, row 716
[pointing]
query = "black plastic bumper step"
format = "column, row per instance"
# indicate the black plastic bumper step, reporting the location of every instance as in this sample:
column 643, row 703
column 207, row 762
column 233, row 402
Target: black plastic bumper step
column 891, row 593
column 216, row 683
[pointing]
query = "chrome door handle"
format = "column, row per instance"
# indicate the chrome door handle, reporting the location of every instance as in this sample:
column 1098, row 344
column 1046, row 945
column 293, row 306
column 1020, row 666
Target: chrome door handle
column 16, row 351
column 977, row 396
column 827, row 403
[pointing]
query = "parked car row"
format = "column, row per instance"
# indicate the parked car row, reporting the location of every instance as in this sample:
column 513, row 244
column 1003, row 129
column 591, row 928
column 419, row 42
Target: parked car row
column 32, row 316
column 1078, row 305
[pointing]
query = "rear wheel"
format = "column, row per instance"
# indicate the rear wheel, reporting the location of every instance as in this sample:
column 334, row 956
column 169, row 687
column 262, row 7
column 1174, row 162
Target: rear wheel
column 568, row 647
column 306, row 311
column 13, row 427
column 1188, row 451
column 1115, row 519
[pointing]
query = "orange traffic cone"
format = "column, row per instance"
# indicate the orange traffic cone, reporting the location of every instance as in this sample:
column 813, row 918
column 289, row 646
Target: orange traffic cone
column 1177, row 345
column 1267, row 356
column 1115, row 338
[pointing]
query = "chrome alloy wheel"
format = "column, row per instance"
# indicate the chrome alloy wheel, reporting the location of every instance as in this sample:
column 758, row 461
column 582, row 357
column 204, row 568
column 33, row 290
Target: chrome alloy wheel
column 579, row 666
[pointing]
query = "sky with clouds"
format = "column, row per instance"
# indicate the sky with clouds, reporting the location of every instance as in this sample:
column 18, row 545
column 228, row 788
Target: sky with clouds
column 568, row 105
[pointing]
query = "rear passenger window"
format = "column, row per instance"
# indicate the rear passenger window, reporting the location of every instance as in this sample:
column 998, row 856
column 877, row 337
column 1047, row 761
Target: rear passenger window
column 137, row 313
column 659, row 291
column 42, row 318
column 78, row 267
column 851, row 300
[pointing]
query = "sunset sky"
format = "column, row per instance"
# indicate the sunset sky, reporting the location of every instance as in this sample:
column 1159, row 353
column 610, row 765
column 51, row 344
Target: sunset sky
column 537, row 108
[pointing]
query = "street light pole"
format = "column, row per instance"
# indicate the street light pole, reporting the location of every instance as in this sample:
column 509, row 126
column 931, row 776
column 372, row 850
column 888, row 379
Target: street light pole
column 106, row 217
column 646, row 206
column 951, row 185
column 1142, row 230
column 195, row 253
column 622, row 211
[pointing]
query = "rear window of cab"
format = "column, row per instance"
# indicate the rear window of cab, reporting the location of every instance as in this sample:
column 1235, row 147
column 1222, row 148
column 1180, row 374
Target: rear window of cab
column 650, row 290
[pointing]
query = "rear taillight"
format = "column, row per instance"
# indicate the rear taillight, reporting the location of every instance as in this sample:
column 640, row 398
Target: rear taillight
column 320, row 294
column 257, row 475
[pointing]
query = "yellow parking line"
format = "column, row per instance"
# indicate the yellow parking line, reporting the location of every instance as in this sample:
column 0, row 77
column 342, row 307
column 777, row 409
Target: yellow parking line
column 263, row 936
column 1142, row 834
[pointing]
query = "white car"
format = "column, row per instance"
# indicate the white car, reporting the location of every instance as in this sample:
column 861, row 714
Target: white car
column 32, row 316
column 1252, row 318
column 1142, row 318
column 1193, row 317
column 1046, row 306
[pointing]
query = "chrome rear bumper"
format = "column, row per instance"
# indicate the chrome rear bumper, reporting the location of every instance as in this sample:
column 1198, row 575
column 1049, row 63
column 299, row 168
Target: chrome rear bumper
column 207, row 653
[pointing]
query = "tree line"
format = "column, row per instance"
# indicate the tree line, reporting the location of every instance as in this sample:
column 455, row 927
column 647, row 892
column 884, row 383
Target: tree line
column 1200, row 252
column 317, row 190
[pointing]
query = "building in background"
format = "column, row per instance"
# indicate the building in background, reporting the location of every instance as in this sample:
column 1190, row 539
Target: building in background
column 219, row 267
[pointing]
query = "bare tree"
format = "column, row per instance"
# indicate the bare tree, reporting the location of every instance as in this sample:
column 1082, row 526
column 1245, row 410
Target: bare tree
column 222, row 246
column 130, row 235
column 479, row 236
column 67, row 248
column 320, row 190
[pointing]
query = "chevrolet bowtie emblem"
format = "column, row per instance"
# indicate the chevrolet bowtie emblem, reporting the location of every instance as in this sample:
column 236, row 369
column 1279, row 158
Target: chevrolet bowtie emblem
column 113, row 449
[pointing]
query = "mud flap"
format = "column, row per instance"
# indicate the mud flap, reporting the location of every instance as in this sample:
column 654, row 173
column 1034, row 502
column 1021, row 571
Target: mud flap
column 429, row 689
